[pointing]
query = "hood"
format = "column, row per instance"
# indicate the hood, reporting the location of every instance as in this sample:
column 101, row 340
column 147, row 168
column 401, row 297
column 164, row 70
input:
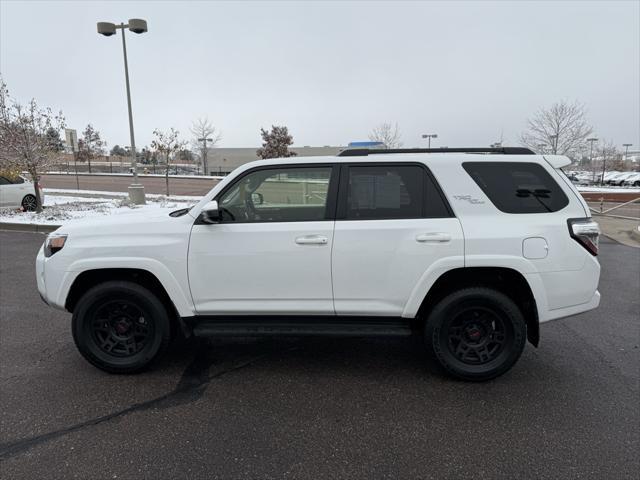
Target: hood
column 137, row 220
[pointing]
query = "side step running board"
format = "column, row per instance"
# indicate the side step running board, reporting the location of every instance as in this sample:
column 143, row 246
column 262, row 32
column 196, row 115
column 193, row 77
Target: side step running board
column 299, row 326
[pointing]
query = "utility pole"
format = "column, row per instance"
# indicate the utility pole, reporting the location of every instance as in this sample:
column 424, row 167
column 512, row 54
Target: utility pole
column 604, row 164
column 205, row 165
column 554, row 144
column 430, row 136
column 591, row 140
column 626, row 150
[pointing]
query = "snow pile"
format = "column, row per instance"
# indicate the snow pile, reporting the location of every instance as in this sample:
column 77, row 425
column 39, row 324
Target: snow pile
column 61, row 208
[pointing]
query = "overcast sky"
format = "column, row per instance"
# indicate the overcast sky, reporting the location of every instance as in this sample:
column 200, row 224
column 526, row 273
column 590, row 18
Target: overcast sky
column 330, row 71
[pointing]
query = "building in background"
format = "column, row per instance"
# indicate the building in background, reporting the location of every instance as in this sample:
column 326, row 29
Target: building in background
column 224, row 160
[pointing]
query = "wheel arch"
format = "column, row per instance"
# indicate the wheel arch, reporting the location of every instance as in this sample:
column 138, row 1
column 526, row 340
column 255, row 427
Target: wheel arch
column 90, row 278
column 506, row 280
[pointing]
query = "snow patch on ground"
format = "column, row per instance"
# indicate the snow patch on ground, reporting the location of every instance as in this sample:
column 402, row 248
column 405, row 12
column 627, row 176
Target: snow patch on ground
column 60, row 209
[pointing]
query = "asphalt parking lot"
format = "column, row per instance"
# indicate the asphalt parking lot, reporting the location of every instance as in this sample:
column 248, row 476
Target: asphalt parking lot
column 319, row 408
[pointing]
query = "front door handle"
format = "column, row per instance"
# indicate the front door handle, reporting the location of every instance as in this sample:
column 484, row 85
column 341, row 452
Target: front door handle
column 312, row 240
column 438, row 237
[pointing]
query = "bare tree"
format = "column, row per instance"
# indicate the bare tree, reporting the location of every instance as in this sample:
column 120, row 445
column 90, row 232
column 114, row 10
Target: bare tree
column 25, row 138
column 168, row 145
column 560, row 129
column 387, row 134
column 205, row 136
column 276, row 143
column 90, row 145
column 609, row 156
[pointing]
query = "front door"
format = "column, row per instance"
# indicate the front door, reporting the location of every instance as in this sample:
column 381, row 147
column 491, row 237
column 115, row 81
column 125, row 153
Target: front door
column 271, row 252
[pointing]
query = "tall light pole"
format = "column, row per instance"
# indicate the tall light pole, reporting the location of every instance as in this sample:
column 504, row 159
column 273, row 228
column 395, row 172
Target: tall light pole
column 626, row 150
column 591, row 140
column 136, row 25
column 554, row 144
column 430, row 136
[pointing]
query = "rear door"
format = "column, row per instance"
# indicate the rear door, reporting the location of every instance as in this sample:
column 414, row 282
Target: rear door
column 392, row 224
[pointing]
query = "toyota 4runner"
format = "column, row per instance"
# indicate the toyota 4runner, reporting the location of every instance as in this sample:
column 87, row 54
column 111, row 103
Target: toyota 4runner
column 471, row 248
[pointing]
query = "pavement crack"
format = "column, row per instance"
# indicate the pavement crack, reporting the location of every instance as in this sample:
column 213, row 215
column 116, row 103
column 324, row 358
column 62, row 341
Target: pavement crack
column 190, row 387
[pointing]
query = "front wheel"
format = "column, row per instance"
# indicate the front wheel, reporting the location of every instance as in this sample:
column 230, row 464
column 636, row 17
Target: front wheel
column 475, row 333
column 120, row 327
column 29, row 203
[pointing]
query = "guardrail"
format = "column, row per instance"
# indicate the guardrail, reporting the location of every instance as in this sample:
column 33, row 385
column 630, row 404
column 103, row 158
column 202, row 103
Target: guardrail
column 606, row 212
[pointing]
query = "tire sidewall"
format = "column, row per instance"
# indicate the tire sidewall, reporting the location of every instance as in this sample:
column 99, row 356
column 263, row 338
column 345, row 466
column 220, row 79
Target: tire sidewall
column 146, row 301
column 440, row 316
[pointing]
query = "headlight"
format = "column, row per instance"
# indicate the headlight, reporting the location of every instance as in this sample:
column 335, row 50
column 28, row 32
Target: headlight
column 54, row 243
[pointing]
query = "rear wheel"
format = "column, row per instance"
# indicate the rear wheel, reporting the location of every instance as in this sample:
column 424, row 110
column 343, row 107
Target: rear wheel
column 476, row 333
column 29, row 203
column 120, row 327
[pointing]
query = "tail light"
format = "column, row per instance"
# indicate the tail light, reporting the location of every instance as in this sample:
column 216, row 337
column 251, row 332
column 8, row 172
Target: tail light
column 586, row 232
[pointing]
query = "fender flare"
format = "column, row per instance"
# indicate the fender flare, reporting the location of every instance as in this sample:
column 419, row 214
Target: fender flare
column 180, row 298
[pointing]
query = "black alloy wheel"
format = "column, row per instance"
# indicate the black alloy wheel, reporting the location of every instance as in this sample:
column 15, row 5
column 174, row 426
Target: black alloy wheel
column 121, row 327
column 475, row 333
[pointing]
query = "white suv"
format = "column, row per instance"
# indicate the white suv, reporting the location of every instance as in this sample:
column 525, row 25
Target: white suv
column 471, row 248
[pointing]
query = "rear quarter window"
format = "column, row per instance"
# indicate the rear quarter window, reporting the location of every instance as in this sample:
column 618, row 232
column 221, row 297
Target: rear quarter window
column 518, row 187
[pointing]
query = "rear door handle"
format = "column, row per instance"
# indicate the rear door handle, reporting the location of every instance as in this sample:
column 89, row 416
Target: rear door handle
column 433, row 237
column 312, row 240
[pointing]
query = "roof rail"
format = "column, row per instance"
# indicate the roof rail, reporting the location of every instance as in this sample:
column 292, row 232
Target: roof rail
column 363, row 152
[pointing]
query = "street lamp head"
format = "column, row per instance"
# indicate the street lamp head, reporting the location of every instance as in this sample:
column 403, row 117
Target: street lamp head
column 592, row 139
column 137, row 25
column 106, row 28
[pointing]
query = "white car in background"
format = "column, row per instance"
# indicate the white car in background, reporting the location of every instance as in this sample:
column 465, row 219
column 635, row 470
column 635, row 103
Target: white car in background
column 619, row 179
column 18, row 192
column 632, row 180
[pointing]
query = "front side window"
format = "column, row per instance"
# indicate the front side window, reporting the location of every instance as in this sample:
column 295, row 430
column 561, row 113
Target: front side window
column 278, row 195
column 4, row 181
column 517, row 187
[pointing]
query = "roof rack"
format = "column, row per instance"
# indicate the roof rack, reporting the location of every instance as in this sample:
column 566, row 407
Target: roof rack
column 363, row 152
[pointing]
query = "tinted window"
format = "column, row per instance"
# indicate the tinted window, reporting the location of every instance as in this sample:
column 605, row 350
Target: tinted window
column 384, row 192
column 4, row 181
column 435, row 205
column 515, row 187
column 278, row 195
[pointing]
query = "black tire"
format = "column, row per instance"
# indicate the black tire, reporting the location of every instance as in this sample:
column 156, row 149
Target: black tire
column 120, row 327
column 29, row 203
column 475, row 334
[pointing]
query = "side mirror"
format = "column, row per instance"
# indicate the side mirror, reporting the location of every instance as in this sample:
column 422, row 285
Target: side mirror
column 211, row 213
column 257, row 198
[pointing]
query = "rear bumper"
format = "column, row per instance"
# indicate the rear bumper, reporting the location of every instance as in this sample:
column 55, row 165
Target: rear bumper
column 574, row 309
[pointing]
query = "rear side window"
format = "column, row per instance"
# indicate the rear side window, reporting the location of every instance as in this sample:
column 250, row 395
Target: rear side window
column 387, row 192
column 516, row 187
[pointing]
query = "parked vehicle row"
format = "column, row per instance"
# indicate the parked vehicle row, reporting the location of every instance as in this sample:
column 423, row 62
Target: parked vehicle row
column 611, row 178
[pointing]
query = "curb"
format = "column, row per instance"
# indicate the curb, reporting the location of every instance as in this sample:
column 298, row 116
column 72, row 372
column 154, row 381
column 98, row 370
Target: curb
column 28, row 227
